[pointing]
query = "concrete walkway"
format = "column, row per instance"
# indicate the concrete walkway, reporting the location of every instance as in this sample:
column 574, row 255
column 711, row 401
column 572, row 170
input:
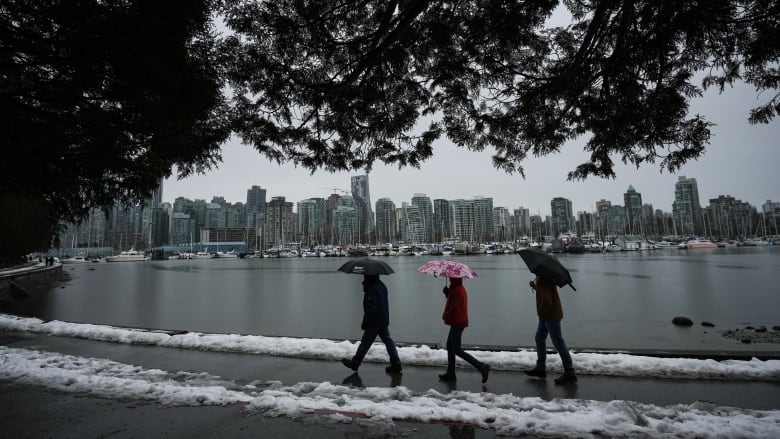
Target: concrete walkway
column 27, row 411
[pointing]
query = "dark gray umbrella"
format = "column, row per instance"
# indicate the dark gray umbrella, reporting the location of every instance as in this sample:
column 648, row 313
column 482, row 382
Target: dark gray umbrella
column 547, row 266
column 366, row 266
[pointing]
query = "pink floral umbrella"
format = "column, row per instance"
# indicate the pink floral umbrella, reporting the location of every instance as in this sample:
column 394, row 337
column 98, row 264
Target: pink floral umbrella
column 444, row 268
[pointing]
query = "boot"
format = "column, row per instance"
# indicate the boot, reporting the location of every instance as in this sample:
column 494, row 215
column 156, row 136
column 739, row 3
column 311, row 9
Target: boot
column 485, row 370
column 394, row 368
column 347, row 362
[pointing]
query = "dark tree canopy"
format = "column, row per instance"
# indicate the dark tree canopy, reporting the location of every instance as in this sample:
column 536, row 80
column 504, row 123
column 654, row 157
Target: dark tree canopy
column 341, row 84
column 98, row 100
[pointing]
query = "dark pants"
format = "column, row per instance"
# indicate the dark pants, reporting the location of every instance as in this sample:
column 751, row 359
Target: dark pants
column 369, row 335
column 454, row 348
column 553, row 329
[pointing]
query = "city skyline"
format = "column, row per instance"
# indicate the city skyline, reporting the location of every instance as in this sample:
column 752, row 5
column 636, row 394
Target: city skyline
column 741, row 161
column 703, row 201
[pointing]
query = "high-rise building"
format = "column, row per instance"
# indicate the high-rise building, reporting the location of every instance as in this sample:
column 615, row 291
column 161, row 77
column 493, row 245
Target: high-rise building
column 617, row 220
column 386, row 230
column 463, row 222
column 562, row 215
column 362, row 196
column 483, row 218
column 633, row 204
column 442, row 220
column 311, row 221
column 602, row 217
column 521, row 222
column 183, row 229
column 728, row 217
column 412, row 224
column 686, row 208
column 425, row 207
column 255, row 207
column 346, row 226
column 155, row 199
column 279, row 227
column 502, row 224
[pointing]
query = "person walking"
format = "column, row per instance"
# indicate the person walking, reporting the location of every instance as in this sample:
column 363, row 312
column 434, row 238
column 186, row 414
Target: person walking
column 456, row 315
column 550, row 312
column 376, row 321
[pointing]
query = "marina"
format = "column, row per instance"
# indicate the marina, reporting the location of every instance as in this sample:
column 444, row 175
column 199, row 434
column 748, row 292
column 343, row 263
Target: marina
column 624, row 300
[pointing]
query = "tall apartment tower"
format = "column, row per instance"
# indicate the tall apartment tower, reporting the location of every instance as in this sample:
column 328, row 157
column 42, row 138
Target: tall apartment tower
column 279, row 229
column 362, row 196
column 686, row 209
column 442, row 220
column 425, row 207
column 633, row 202
column 255, row 207
column 386, row 230
column 562, row 215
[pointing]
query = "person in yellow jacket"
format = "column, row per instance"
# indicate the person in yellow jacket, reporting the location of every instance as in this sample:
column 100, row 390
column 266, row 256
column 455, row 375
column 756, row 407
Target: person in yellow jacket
column 550, row 312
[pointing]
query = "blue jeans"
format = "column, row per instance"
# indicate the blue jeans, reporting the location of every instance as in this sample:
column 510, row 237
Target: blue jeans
column 553, row 328
column 369, row 335
column 454, row 348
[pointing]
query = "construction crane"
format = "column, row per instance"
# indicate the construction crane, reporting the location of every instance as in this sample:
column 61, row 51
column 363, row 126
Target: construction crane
column 336, row 190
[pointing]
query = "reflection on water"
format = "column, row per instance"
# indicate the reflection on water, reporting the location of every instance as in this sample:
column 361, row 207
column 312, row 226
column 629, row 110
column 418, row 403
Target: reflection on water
column 623, row 300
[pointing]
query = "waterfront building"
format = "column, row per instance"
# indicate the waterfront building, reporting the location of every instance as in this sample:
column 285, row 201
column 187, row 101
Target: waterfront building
column 728, row 217
column 586, row 223
column 617, row 220
column 686, row 208
column 502, row 224
column 362, row 197
column 279, row 228
column 412, row 229
column 562, row 215
column 235, row 215
column 633, row 205
column 483, row 218
column 345, row 223
column 464, row 225
column 255, row 207
column 442, row 220
column 602, row 217
column 183, row 228
column 425, row 208
column 386, row 226
column 521, row 222
column 311, row 221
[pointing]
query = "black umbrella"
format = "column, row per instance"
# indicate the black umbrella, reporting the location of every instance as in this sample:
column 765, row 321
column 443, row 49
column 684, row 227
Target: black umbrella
column 366, row 266
column 547, row 266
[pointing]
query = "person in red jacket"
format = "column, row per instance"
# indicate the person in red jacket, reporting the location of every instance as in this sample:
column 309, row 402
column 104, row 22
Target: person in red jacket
column 456, row 315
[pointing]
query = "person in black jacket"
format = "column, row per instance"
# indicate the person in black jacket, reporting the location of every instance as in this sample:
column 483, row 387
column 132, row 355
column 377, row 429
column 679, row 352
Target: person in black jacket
column 376, row 321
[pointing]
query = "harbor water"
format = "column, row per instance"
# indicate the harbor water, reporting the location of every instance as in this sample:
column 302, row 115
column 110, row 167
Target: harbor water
column 624, row 300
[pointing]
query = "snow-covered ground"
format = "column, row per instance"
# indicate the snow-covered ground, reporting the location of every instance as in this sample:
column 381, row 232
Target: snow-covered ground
column 506, row 413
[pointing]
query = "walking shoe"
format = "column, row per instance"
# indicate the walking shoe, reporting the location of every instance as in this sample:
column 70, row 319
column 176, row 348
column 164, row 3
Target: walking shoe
column 536, row 372
column 394, row 368
column 447, row 377
column 485, row 371
column 566, row 379
column 348, row 363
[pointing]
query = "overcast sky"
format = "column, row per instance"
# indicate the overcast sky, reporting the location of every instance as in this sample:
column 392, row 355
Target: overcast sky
column 741, row 161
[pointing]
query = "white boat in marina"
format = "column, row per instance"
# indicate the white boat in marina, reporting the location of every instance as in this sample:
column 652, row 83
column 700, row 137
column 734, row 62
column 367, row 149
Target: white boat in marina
column 77, row 259
column 227, row 254
column 131, row 255
column 698, row 243
column 201, row 255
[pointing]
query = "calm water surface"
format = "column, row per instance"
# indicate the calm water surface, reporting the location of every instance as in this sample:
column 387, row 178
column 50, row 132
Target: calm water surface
column 623, row 300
